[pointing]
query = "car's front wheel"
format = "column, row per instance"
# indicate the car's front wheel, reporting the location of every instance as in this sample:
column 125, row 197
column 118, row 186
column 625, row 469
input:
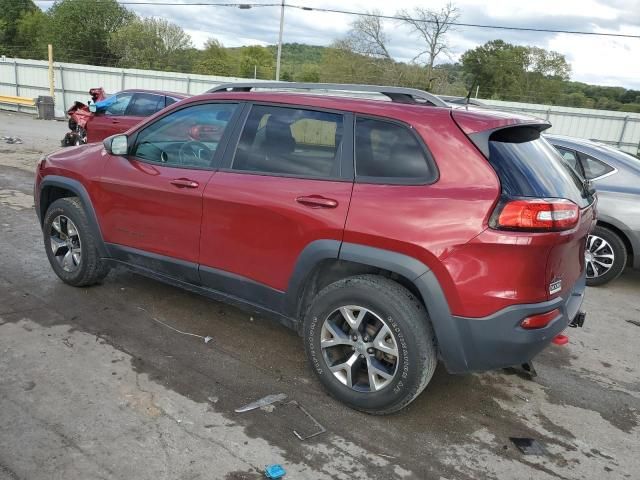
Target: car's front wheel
column 605, row 256
column 70, row 245
column 370, row 343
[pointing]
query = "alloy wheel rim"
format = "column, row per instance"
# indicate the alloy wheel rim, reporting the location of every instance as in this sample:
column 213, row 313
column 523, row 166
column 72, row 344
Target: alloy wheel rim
column 65, row 243
column 599, row 256
column 359, row 348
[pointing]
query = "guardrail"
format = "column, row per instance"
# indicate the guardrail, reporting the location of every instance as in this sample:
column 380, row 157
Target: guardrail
column 19, row 101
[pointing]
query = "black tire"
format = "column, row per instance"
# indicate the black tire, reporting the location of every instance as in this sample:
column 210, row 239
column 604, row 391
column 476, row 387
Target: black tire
column 411, row 329
column 91, row 269
column 616, row 247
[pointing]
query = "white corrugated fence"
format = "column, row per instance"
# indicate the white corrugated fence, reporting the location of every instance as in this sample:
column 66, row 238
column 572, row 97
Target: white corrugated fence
column 29, row 78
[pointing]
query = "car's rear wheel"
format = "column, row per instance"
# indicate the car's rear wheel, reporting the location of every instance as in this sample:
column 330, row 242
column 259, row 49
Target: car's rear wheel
column 370, row 343
column 605, row 256
column 70, row 245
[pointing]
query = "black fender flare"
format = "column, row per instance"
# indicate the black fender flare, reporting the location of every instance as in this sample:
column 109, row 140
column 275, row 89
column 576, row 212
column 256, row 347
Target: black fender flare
column 448, row 335
column 78, row 189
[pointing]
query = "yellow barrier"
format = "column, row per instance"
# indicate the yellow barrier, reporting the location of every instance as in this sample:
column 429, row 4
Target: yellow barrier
column 30, row 102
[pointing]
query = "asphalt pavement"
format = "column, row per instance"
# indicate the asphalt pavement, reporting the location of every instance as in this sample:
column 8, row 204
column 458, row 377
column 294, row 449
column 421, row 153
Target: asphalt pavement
column 100, row 383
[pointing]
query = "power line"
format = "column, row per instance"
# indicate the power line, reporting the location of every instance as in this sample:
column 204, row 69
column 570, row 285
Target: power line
column 460, row 24
column 368, row 14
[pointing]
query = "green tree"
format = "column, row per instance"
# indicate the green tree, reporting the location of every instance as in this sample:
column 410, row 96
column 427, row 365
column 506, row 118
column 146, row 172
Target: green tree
column 80, row 29
column 32, row 35
column 514, row 72
column 256, row 59
column 149, row 43
column 214, row 60
column 11, row 11
column 309, row 73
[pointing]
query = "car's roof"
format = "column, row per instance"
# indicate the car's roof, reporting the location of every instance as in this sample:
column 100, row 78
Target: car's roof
column 470, row 120
column 157, row 92
column 606, row 153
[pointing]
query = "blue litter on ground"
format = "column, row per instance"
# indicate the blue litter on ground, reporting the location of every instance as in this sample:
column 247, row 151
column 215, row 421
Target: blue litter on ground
column 274, row 471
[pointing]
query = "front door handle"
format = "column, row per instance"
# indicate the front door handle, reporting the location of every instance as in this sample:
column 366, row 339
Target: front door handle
column 317, row 201
column 185, row 183
column 115, row 121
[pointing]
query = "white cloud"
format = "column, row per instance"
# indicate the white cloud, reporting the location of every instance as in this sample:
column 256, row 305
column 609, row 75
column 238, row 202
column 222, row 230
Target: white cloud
column 594, row 59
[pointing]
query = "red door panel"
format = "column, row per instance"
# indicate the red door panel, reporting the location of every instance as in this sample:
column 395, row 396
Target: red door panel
column 102, row 126
column 256, row 225
column 152, row 207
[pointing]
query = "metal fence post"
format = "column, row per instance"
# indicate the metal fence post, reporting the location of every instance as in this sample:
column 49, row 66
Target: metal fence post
column 548, row 114
column 624, row 127
column 15, row 75
column 64, row 103
column 122, row 80
column 188, row 85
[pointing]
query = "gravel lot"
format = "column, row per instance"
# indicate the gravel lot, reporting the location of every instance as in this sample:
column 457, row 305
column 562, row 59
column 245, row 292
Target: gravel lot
column 91, row 386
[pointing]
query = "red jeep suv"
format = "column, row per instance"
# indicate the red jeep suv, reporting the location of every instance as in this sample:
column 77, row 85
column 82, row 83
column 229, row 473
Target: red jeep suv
column 390, row 234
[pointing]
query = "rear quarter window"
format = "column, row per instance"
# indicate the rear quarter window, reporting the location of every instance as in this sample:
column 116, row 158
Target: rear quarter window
column 528, row 166
column 389, row 152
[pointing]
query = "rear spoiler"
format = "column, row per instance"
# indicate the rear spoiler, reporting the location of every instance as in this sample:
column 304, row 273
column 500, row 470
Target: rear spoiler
column 481, row 126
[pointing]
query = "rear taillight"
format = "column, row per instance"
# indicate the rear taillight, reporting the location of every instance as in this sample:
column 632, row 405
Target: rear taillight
column 540, row 320
column 540, row 214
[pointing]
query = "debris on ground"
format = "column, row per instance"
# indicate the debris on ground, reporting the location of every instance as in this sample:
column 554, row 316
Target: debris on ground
column 528, row 446
column 263, row 402
column 206, row 338
column 12, row 140
column 634, row 322
column 318, row 427
column 274, row 471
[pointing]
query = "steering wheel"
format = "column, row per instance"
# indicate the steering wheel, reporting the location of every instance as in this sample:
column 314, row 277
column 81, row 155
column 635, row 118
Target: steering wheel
column 193, row 150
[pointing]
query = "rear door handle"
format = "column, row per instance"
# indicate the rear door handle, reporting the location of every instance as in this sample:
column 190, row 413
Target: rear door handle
column 115, row 121
column 184, row 183
column 317, row 201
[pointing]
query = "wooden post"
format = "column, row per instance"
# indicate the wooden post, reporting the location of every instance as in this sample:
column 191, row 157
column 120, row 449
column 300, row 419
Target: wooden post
column 51, row 89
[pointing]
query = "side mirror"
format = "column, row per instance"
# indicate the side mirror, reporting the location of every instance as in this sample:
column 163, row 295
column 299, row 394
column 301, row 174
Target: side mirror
column 116, row 144
column 92, row 107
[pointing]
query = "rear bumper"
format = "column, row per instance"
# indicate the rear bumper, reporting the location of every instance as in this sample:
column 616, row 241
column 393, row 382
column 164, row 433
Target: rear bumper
column 498, row 341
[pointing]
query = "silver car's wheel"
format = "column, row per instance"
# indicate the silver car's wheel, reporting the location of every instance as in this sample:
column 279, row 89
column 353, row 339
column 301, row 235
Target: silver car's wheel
column 599, row 256
column 359, row 348
column 65, row 243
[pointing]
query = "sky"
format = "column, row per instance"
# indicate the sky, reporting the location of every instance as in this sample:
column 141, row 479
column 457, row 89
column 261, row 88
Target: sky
column 598, row 60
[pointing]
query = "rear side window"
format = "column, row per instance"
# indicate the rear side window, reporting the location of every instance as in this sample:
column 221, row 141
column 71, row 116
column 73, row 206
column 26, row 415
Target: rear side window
column 145, row 104
column 594, row 168
column 290, row 141
column 528, row 166
column 388, row 150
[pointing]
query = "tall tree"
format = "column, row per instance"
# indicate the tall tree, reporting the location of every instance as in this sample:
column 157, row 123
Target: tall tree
column 80, row 29
column 214, row 60
column 32, row 35
column 431, row 26
column 149, row 43
column 11, row 11
column 515, row 72
column 256, row 60
column 367, row 36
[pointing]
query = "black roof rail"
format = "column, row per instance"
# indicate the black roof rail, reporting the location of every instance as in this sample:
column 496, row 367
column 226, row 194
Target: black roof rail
column 396, row 94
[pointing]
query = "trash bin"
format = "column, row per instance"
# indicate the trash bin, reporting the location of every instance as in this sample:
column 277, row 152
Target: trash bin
column 45, row 108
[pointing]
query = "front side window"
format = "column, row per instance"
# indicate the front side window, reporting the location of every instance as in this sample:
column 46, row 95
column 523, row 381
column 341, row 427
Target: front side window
column 290, row 141
column 145, row 104
column 119, row 106
column 389, row 150
column 570, row 158
column 185, row 138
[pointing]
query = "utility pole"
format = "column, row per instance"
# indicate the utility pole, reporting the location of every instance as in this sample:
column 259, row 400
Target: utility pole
column 280, row 42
